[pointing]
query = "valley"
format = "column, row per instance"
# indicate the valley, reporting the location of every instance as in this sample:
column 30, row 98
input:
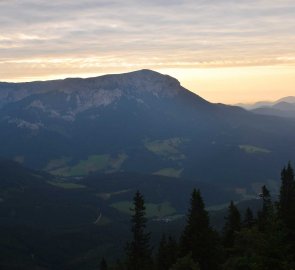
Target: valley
column 75, row 151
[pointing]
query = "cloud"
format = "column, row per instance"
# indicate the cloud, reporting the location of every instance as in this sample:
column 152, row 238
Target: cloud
column 92, row 36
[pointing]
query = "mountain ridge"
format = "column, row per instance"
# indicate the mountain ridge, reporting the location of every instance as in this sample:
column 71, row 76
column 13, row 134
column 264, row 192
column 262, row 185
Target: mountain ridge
column 155, row 127
column 259, row 104
column 96, row 91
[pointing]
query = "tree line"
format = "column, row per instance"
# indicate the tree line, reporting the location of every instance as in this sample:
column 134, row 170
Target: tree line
column 249, row 242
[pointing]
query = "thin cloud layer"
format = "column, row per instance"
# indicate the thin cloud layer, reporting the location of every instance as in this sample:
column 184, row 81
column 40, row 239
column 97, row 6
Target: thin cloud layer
column 43, row 38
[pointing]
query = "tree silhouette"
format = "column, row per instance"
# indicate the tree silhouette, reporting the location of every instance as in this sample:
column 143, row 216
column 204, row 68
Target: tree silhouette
column 103, row 264
column 266, row 215
column 138, row 250
column 167, row 253
column 286, row 205
column 185, row 263
column 198, row 238
column 287, row 197
column 232, row 225
column 249, row 220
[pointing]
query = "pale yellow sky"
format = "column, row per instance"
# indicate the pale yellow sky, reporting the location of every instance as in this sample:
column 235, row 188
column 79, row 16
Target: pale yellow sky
column 226, row 51
column 228, row 85
column 232, row 85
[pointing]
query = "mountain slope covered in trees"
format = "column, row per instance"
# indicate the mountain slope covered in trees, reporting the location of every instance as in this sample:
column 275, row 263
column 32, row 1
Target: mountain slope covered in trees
column 142, row 122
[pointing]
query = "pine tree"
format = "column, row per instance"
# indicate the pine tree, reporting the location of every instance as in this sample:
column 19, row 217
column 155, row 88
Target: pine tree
column 172, row 250
column 286, row 206
column 161, row 258
column 198, row 238
column 103, row 264
column 287, row 197
column 138, row 250
column 232, row 225
column 249, row 220
column 263, row 245
column 266, row 215
column 185, row 263
column 167, row 253
column 266, row 199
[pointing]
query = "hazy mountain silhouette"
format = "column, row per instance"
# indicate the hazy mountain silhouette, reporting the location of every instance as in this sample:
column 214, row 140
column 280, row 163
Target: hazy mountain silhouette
column 284, row 107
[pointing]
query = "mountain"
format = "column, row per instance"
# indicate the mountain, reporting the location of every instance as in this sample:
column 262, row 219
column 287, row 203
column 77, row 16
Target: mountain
column 281, row 109
column 249, row 106
column 290, row 99
column 262, row 104
column 284, row 107
column 142, row 122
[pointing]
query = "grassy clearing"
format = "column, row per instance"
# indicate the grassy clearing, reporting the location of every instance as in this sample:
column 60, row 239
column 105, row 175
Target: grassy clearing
column 57, row 163
column 123, row 206
column 168, row 148
column 107, row 196
column 83, row 167
column 103, row 221
column 251, row 149
column 116, row 163
column 152, row 210
column 170, row 172
column 66, row 185
column 19, row 159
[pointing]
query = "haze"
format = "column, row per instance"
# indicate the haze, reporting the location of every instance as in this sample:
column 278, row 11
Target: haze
column 226, row 51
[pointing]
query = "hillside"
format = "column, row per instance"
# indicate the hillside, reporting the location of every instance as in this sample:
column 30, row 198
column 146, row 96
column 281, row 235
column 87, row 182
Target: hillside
column 58, row 223
column 141, row 122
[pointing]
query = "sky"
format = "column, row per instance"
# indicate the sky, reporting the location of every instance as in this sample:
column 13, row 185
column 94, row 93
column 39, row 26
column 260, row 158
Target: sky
column 227, row 51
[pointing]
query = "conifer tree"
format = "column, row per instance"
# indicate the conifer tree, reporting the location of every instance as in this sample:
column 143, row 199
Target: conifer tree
column 266, row 215
column 185, row 263
column 167, row 253
column 287, row 197
column 161, row 257
column 261, row 246
column 249, row 220
column 232, row 225
column 172, row 247
column 286, row 206
column 103, row 264
column 138, row 250
column 198, row 238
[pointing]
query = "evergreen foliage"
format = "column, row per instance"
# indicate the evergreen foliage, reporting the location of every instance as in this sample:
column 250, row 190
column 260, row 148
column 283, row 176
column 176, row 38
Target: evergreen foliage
column 198, row 238
column 103, row 264
column 167, row 253
column 267, row 211
column 249, row 220
column 232, row 225
column 263, row 244
column 138, row 250
column 287, row 197
column 286, row 206
column 185, row 263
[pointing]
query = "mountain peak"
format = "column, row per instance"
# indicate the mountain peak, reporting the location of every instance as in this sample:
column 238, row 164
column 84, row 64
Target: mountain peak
column 142, row 72
column 144, row 80
column 69, row 97
column 145, row 71
column 288, row 99
column 133, row 83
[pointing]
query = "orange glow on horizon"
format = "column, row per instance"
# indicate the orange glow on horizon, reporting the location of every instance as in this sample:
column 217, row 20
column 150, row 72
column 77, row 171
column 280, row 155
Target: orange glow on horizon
column 229, row 85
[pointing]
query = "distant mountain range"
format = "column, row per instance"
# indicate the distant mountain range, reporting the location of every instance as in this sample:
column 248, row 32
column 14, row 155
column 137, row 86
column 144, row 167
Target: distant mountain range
column 142, row 122
column 284, row 107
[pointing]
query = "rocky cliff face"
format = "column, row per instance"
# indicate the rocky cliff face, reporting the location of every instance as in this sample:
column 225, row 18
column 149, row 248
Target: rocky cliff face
column 67, row 98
